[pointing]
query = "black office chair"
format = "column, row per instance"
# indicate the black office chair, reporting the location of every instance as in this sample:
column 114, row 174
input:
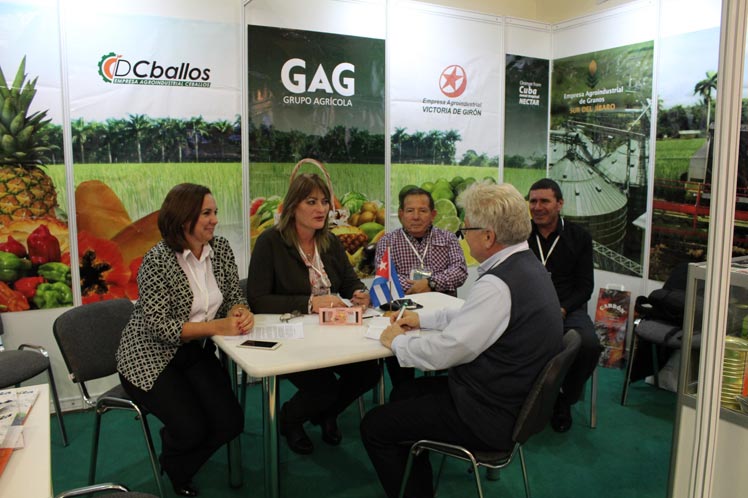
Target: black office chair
column 24, row 363
column 533, row 417
column 659, row 334
column 113, row 491
column 88, row 337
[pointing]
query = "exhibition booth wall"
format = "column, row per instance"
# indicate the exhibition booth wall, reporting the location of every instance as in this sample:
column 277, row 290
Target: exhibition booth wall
column 615, row 105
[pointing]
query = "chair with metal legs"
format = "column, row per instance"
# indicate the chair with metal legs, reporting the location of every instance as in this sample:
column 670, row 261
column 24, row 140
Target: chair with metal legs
column 113, row 491
column 657, row 333
column 24, row 363
column 533, row 417
column 88, row 337
column 593, row 380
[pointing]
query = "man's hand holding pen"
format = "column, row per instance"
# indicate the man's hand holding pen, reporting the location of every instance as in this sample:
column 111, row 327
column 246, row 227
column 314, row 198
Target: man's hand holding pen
column 401, row 323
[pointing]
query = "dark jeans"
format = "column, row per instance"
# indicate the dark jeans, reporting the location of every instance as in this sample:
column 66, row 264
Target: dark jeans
column 194, row 400
column 322, row 394
column 588, row 356
column 420, row 409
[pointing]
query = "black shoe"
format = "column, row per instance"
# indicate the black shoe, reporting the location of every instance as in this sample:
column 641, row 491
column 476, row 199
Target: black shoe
column 295, row 435
column 330, row 432
column 561, row 419
column 185, row 489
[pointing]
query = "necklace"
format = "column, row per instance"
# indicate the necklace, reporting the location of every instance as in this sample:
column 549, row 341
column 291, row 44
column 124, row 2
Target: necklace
column 309, row 253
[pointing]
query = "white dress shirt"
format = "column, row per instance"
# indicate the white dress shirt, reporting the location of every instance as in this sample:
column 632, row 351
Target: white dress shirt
column 207, row 297
column 465, row 332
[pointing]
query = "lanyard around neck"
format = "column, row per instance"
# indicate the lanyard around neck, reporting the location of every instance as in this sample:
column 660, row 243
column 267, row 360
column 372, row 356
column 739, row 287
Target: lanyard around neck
column 544, row 257
column 421, row 259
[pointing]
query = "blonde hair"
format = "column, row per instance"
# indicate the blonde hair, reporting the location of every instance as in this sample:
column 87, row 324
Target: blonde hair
column 500, row 208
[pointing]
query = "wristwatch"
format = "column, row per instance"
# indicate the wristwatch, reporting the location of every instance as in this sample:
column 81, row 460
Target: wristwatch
column 432, row 285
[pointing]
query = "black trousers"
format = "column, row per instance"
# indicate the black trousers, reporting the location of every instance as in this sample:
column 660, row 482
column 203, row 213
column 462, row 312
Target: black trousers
column 194, row 400
column 326, row 392
column 588, row 356
column 398, row 374
column 420, row 409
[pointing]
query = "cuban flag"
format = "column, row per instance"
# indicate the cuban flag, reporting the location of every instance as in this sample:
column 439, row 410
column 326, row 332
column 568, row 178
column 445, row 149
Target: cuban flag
column 384, row 281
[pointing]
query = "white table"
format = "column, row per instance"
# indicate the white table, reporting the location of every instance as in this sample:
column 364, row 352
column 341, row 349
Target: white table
column 29, row 470
column 322, row 346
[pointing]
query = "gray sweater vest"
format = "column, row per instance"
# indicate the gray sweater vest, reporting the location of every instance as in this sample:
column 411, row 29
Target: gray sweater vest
column 489, row 391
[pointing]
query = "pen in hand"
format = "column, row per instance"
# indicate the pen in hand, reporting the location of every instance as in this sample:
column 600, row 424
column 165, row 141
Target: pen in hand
column 400, row 313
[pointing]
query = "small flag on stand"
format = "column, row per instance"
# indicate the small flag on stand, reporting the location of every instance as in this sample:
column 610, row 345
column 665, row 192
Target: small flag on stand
column 386, row 285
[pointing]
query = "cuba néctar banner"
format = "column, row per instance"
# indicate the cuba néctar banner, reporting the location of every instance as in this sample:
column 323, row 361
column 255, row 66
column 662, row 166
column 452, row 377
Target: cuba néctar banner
column 319, row 96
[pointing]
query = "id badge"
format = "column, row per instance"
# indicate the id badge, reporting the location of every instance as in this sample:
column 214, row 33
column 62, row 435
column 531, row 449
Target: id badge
column 420, row 274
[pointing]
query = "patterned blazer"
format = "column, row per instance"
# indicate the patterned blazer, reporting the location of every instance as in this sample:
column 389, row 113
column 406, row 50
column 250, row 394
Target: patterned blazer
column 153, row 334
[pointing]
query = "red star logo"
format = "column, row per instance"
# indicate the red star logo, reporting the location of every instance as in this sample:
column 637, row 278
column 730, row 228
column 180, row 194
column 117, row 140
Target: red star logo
column 453, row 81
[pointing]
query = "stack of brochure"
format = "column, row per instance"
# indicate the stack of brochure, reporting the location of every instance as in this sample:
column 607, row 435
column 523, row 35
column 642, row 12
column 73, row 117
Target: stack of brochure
column 15, row 405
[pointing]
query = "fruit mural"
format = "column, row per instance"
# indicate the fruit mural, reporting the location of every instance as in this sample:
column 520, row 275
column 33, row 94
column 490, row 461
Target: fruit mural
column 359, row 225
column 33, row 241
column 35, row 266
column 449, row 217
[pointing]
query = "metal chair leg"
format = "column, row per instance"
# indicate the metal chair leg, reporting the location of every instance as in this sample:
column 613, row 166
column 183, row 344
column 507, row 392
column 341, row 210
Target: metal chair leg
column 438, row 477
column 151, row 453
column 243, row 398
column 655, row 366
column 629, row 367
column 406, row 474
column 58, row 409
column 524, row 472
column 593, row 399
column 476, row 474
column 361, row 407
column 94, row 447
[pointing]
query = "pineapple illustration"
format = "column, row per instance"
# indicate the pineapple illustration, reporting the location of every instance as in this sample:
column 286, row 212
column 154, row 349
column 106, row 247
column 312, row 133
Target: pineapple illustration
column 26, row 191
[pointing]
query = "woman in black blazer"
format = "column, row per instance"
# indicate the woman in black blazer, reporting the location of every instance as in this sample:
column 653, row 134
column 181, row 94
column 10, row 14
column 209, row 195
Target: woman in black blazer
column 299, row 265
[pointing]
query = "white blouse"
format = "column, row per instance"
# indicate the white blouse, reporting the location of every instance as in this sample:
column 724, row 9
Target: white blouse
column 207, row 297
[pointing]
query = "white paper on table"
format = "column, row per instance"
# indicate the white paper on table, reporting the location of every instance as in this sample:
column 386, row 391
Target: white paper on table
column 272, row 332
column 26, row 399
column 376, row 326
column 14, row 406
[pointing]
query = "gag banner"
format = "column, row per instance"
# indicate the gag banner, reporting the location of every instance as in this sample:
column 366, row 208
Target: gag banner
column 34, row 240
column 601, row 108
column 525, row 121
column 152, row 106
column 611, row 322
column 318, row 96
column 446, row 88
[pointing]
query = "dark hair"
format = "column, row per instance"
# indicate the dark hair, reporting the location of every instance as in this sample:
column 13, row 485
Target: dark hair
column 301, row 187
column 181, row 206
column 547, row 183
column 416, row 191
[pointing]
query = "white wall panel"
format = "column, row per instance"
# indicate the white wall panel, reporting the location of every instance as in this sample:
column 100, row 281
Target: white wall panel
column 528, row 38
column 366, row 18
column 632, row 23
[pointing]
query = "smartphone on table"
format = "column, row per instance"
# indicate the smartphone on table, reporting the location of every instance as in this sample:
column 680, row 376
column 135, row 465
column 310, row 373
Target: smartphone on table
column 408, row 304
column 267, row 345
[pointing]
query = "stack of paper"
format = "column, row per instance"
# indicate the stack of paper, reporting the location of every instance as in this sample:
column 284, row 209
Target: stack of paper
column 15, row 406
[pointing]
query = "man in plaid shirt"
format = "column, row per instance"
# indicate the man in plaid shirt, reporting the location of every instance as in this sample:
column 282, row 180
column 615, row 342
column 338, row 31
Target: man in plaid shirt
column 427, row 258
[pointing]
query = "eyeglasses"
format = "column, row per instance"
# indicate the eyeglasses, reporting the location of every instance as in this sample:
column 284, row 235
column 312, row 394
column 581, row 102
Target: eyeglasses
column 461, row 231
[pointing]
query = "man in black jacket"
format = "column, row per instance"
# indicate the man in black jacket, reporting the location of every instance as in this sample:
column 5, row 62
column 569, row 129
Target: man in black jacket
column 565, row 249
